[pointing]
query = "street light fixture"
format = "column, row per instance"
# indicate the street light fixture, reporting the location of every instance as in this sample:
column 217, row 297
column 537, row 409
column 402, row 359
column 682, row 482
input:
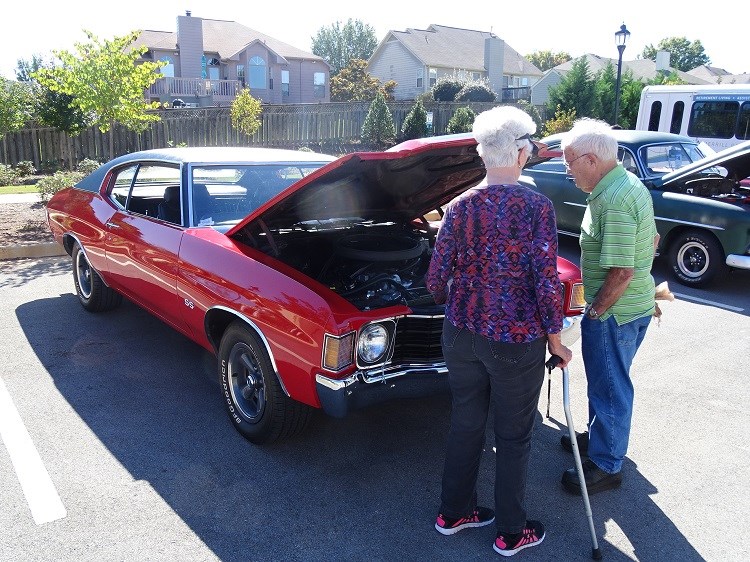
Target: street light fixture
column 621, row 37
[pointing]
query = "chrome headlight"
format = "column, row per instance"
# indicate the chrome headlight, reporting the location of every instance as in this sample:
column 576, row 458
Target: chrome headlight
column 373, row 344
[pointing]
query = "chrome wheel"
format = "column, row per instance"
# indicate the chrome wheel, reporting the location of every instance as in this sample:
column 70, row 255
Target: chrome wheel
column 246, row 382
column 693, row 260
column 83, row 271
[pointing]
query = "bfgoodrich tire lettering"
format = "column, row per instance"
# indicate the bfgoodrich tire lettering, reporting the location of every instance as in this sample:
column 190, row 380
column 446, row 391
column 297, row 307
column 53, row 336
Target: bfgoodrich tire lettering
column 696, row 257
column 92, row 293
column 254, row 400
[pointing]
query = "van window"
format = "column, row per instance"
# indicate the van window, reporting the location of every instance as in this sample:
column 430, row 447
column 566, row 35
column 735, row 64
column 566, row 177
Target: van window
column 677, row 112
column 743, row 125
column 653, row 120
column 713, row 119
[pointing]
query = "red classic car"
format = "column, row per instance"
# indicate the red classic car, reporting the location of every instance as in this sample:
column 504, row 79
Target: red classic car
column 302, row 273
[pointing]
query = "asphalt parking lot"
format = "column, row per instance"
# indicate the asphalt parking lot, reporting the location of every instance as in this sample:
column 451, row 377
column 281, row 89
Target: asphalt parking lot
column 126, row 419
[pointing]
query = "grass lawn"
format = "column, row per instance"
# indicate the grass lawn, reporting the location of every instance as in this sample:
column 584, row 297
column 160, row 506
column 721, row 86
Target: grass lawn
column 13, row 189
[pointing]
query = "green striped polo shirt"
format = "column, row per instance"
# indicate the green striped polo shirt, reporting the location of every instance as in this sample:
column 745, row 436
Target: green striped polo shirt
column 618, row 230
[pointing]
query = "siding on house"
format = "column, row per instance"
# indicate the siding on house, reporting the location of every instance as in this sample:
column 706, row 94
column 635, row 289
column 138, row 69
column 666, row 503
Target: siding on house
column 400, row 65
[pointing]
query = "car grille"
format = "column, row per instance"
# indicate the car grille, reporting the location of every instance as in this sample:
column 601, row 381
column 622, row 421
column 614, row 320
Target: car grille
column 418, row 340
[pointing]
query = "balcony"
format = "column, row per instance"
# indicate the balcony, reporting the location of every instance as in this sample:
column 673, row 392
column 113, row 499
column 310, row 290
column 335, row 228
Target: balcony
column 515, row 94
column 197, row 91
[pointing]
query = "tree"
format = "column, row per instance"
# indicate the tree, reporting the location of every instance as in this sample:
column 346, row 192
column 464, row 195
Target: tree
column 378, row 129
column 26, row 68
column 560, row 123
column 462, row 121
column 245, row 113
column 575, row 91
column 415, row 123
column 339, row 45
column 16, row 102
column 605, row 83
column 544, row 60
column 683, row 54
column 105, row 82
column 354, row 83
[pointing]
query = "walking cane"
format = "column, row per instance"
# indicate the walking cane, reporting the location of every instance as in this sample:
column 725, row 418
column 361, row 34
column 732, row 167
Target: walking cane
column 596, row 552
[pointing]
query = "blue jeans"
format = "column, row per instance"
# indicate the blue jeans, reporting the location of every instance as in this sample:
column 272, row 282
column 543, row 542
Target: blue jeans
column 608, row 351
column 509, row 376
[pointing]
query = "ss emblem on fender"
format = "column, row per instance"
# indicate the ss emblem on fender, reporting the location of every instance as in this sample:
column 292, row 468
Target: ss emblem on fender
column 190, row 304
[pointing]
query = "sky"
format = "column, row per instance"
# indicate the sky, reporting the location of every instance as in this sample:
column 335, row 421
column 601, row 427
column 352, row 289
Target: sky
column 575, row 27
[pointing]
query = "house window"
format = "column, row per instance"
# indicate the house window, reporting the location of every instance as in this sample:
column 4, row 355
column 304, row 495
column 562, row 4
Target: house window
column 241, row 73
column 168, row 69
column 433, row 77
column 319, row 84
column 257, row 73
column 420, row 77
column 285, row 83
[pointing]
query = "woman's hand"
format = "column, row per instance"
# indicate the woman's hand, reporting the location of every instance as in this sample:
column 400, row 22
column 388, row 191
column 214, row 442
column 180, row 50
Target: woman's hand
column 555, row 347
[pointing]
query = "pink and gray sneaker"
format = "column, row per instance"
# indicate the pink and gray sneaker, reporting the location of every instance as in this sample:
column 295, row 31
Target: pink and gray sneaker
column 447, row 525
column 508, row 544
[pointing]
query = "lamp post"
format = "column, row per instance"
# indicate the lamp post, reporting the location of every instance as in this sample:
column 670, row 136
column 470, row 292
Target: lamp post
column 621, row 37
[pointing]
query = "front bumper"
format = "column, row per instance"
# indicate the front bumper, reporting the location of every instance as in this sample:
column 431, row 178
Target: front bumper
column 374, row 386
column 739, row 261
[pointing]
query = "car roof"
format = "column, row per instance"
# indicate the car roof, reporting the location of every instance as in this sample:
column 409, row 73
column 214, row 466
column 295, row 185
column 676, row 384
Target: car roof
column 632, row 138
column 203, row 155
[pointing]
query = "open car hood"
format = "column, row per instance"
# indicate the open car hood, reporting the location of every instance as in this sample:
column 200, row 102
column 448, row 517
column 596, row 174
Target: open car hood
column 735, row 159
column 398, row 185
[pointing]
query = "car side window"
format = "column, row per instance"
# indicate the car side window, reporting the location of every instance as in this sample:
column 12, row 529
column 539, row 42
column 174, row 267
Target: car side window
column 120, row 189
column 553, row 165
column 628, row 160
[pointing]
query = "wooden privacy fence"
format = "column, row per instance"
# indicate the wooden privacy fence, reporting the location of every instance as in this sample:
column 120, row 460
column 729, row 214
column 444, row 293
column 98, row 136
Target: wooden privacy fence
column 333, row 127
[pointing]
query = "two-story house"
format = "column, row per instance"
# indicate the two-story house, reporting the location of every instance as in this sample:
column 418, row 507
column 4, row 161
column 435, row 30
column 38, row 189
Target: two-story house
column 416, row 58
column 208, row 62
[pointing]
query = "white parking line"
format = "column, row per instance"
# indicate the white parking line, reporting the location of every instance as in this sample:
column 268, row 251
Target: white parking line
column 37, row 486
column 712, row 303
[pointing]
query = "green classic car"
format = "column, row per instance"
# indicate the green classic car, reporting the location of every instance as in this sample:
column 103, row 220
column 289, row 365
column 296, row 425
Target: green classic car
column 701, row 199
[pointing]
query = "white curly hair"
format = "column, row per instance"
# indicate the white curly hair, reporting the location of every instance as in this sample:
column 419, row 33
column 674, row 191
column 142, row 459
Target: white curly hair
column 501, row 132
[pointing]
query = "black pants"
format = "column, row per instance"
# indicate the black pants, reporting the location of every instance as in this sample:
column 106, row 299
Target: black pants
column 511, row 375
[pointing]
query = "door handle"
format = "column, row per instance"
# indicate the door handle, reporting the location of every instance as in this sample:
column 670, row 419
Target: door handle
column 112, row 225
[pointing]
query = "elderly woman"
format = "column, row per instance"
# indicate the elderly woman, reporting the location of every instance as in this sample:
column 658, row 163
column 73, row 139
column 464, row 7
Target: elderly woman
column 495, row 267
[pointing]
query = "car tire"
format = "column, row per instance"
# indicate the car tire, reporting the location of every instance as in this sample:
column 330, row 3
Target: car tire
column 256, row 404
column 696, row 258
column 92, row 292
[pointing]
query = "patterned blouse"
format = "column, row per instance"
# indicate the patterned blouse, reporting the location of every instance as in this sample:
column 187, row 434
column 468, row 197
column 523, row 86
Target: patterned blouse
column 495, row 263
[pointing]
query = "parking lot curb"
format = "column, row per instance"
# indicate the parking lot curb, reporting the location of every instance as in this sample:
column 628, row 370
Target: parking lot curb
column 43, row 250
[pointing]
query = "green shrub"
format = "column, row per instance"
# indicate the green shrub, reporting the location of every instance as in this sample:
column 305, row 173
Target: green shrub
column 25, row 168
column 476, row 91
column 50, row 185
column 8, row 176
column 446, row 88
column 415, row 123
column 560, row 123
column 378, row 130
column 87, row 165
column 461, row 121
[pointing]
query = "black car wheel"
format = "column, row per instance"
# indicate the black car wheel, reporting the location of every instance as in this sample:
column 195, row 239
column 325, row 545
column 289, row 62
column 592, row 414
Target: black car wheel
column 254, row 399
column 696, row 257
column 92, row 293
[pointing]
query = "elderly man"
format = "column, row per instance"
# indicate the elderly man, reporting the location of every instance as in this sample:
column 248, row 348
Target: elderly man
column 618, row 239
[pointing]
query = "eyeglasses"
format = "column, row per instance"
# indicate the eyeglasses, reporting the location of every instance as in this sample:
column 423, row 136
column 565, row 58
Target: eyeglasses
column 569, row 164
column 534, row 147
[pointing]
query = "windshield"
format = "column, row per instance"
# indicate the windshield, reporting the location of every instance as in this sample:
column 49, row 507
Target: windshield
column 224, row 195
column 661, row 159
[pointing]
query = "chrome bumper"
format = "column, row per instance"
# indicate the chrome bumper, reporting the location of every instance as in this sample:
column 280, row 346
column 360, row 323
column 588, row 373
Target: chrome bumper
column 374, row 386
column 366, row 388
column 739, row 261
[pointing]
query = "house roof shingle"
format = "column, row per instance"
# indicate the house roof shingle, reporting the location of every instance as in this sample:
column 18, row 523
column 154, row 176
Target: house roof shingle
column 226, row 38
column 451, row 47
column 642, row 69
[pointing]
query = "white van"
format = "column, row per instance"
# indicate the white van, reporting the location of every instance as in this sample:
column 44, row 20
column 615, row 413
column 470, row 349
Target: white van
column 717, row 114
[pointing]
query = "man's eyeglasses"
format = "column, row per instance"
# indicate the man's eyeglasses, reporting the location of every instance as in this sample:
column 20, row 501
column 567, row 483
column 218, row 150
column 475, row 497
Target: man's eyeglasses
column 569, row 164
